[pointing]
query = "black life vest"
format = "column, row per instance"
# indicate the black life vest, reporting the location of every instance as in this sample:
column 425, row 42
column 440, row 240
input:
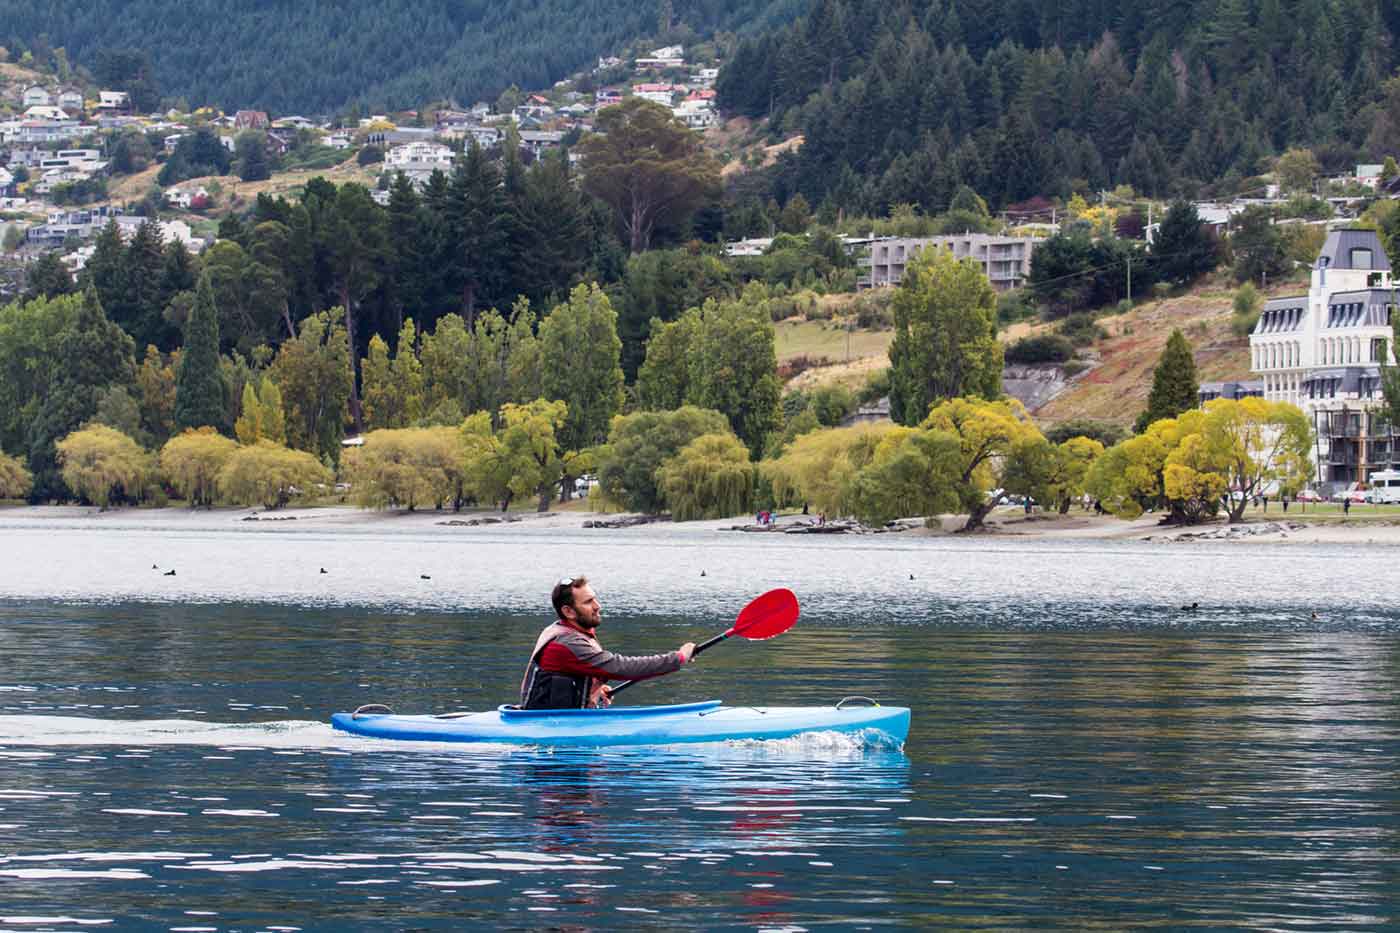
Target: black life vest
column 541, row 689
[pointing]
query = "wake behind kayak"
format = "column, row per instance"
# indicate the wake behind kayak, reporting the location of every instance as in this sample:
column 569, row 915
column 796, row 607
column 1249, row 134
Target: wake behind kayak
column 707, row 721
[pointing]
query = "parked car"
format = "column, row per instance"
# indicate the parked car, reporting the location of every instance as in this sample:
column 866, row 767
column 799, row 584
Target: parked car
column 1356, row 492
column 1309, row 495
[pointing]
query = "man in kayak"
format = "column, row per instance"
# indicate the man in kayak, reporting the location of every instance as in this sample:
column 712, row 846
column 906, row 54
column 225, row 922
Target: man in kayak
column 569, row 669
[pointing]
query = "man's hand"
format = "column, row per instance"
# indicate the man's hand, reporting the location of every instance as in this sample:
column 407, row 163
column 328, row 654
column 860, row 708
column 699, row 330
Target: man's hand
column 686, row 651
column 601, row 696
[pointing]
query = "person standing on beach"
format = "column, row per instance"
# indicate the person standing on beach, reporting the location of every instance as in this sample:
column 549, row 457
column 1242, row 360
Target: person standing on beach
column 569, row 669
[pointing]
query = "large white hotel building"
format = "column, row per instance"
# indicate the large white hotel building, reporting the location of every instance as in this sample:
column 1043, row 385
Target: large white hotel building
column 1322, row 351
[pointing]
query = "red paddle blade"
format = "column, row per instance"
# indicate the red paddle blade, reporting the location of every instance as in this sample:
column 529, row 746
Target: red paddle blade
column 770, row 614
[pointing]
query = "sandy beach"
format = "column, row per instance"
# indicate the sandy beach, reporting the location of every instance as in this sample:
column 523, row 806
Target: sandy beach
column 1373, row 529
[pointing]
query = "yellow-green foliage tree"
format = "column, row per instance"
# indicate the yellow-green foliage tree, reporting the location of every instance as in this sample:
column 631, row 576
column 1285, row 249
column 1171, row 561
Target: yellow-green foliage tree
column 15, row 480
column 190, row 462
column 406, row 468
column 521, row 459
column 1189, row 480
column 1127, row 479
column 711, row 477
column 1054, row 475
column 262, row 417
column 820, row 467
column 989, row 436
column 248, row 427
column 155, row 383
column 1190, row 462
column 270, row 475
column 1257, row 445
column 913, row 472
column 102, row 464
column 393, row 385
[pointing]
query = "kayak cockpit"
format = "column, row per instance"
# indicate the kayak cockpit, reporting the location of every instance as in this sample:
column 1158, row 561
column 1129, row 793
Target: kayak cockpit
column 608, row 712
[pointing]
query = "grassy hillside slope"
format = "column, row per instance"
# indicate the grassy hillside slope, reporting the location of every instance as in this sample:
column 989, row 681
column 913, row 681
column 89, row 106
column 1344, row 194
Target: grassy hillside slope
column 1115, row 386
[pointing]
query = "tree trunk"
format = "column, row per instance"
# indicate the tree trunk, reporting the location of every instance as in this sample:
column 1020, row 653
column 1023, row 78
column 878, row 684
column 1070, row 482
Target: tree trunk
column 977, row 515
column 1064, row 505
column 1237, row 511
column 546, row 495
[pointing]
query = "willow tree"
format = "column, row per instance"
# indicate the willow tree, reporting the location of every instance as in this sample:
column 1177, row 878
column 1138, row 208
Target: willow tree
column 989, row 435
column 711, row 477
column 945, row 336
column 648, row 167
column 270, row 475
column 819, row 468
column 191, row 462
column 1255, row 445
column 640, row 443
column 407, row 468
column 15, row 480
column 102, row 464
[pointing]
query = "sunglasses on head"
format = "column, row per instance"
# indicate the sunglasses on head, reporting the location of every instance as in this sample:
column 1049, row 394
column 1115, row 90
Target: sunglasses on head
column 566, row 581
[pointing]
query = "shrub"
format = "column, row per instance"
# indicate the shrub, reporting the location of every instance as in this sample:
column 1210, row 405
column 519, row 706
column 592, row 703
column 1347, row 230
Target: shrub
column 876, row 387
column 1014, row 306
column 1105, row 432
column 1044, row 348
column 1074, row 368
column 1080, row 329
column 369, row 155
column 872, row 310
column 800, row 364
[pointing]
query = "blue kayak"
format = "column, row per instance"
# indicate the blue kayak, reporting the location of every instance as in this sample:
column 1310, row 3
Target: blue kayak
column 708, row 721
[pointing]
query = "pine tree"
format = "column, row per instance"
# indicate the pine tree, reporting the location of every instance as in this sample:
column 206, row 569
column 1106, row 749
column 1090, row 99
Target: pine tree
column 1182, row 250
column 1174, row 386
column 199, row 388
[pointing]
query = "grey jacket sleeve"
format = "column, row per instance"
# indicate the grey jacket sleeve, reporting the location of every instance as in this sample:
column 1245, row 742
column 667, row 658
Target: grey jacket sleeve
column 622, row 666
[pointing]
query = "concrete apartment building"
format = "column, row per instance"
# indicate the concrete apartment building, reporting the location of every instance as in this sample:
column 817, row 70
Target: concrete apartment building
column 1006, row 260
column 1322, row 351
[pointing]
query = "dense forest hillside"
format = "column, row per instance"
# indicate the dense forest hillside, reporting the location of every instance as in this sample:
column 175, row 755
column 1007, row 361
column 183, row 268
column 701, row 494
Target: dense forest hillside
column 904, row 102
column 289, row 56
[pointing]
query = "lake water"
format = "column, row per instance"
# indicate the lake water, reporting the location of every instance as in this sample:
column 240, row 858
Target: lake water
column 1083, row 754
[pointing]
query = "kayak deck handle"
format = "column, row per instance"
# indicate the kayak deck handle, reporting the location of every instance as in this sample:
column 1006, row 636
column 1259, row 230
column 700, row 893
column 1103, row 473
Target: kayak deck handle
column 371, row 709
column 852, row 700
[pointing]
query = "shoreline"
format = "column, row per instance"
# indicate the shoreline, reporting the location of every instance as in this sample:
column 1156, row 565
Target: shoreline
column 1008, row 523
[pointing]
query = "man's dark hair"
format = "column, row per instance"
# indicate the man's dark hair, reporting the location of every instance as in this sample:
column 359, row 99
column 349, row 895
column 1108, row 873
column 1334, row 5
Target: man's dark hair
column 563, row 594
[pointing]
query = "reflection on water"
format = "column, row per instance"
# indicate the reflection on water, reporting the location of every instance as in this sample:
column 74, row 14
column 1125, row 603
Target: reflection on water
column 1081, row 755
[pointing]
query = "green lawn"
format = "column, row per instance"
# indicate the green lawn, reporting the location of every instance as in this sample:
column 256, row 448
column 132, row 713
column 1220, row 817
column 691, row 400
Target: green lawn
column 829, row 339
column 1321, row 511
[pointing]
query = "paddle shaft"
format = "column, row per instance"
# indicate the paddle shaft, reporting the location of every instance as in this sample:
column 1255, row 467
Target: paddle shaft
column 698, row 648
